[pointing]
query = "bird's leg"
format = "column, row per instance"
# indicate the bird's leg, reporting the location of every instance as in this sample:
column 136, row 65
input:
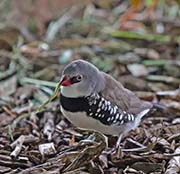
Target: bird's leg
column 116, row 149
column 118, row 141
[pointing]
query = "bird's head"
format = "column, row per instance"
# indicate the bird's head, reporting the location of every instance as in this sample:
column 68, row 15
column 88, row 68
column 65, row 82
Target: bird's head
column 81, row 78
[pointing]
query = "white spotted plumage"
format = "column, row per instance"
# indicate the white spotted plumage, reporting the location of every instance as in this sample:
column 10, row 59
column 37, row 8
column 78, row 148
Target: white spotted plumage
column 98, row 110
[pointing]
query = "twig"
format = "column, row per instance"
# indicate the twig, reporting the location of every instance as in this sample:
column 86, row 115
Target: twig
column 15, row 164
column 18, row 146
column 49, row 126
column 54, row 27
column 38, row 82
column 148, row 37
column 7, row 110
column 27, row 139
column 136, row 143
column 166, row 20
column 174, row 164
column 56, row 91
column 16, row 121
column 174, row 137
column 47, row 149
column 22, row 162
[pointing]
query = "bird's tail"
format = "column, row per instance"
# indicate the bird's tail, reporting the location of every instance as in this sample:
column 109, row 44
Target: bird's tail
column 159, row 106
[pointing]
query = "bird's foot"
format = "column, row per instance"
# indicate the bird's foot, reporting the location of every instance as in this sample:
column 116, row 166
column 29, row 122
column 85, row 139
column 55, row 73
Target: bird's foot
column 116, row 151
column 118, row 141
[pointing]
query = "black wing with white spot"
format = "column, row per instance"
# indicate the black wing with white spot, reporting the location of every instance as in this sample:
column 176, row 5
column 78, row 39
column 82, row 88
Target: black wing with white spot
column 106, row 112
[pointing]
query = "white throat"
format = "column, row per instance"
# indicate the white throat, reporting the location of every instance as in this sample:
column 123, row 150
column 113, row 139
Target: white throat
column 72, row 92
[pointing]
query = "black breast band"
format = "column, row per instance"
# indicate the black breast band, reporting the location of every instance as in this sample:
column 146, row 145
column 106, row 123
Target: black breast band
column 79, row 104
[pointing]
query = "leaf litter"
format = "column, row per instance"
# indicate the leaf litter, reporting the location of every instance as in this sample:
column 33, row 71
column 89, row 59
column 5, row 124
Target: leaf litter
column 35, row 137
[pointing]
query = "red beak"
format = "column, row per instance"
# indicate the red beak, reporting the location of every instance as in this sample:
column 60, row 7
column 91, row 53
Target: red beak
column 65, row 81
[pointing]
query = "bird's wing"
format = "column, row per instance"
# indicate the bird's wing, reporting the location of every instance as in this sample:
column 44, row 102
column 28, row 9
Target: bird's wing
column 122, row 97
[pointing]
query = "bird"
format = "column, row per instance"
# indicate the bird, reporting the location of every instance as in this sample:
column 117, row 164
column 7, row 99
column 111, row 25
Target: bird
column 93, row 99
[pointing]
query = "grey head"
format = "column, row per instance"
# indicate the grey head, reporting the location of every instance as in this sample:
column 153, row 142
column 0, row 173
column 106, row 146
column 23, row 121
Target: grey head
column 81, row 78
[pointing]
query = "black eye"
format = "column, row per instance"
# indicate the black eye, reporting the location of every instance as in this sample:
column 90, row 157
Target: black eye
column 79, row 77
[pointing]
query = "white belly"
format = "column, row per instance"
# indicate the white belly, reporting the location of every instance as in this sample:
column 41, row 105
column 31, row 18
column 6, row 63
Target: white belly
column 81, row 120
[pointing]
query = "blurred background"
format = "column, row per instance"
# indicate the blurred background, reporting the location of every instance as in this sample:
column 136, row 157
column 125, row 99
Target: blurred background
column 136, row 41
